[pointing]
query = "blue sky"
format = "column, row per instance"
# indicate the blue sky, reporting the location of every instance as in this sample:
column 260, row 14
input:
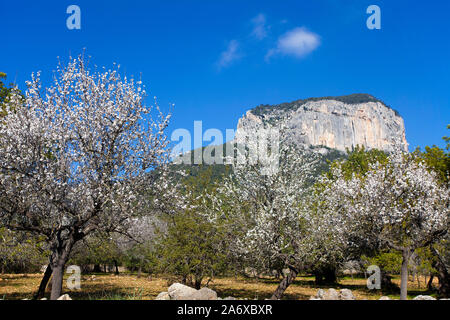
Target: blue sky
column 216, row 59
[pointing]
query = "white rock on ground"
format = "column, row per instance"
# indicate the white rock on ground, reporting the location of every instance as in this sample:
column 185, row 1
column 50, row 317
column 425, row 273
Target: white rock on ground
column 421, row 297
column 331, row 294
column 178, row 291
column 385, row 298
column 205, row 294
column 320, row 294
column 346, row 294
column 64, row 297
column 163, row 296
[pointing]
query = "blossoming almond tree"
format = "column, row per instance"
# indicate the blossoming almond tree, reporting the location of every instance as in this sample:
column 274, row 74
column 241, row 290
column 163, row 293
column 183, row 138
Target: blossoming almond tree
column 399, row 204
column 265, row 209
column 72, row 158
column 325, row 247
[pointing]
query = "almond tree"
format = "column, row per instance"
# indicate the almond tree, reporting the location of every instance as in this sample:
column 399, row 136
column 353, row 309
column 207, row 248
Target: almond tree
column 326, row 245
column 72, row 158
column 399, row 205
column 265, row 209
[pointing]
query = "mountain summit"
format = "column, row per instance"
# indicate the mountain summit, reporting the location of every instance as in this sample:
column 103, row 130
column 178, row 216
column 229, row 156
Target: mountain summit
column 334, row 122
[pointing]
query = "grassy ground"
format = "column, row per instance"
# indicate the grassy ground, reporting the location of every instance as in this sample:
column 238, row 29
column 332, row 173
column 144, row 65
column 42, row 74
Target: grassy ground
column 130, row 287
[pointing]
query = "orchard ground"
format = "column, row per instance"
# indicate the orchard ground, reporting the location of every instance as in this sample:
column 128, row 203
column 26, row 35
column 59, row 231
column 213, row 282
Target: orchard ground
column 127, row 286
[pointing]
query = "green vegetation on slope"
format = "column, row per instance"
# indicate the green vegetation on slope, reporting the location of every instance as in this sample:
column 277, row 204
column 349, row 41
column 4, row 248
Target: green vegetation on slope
column 356, row 98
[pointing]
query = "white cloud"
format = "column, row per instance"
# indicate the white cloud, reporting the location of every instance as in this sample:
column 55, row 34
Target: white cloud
column 230, row 55
column 297, row 42
column 259, row 27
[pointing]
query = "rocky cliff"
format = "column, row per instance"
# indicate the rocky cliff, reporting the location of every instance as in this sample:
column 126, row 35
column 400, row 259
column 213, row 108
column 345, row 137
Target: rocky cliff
column 334, row 122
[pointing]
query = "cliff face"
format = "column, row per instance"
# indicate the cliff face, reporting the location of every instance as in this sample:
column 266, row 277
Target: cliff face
column 336, row 123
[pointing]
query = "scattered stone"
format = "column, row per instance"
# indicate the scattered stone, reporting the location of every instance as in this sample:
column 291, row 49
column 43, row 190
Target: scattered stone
column 346, row 294
column 204, row 294
column 385, row 298
column 331, row 294
column 421, row 297
column 44, row 299
column 320, row 294
column 64, row 297
column 179, row 291
column 163, row 296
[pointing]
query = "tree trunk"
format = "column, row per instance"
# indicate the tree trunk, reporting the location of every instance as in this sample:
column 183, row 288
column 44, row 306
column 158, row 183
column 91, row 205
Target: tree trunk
column 284, row 284
column 330, row 275
column 57, row 280
column 386, row 282
column 442, row 274
column 325, row 276
column 198, row 283
column 61, row 249
column 444, row 285
column 404, row 274
column 116, row 266
column 41, row 291
column 318, row 278
column 430, row 283
column 97, row 268
column 139, row 271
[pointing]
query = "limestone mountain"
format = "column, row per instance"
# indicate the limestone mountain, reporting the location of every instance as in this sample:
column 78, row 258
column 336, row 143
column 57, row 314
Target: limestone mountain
column 333, row 122
column 327, row 125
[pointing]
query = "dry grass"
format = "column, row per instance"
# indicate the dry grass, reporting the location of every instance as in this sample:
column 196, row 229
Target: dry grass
column 130, row 287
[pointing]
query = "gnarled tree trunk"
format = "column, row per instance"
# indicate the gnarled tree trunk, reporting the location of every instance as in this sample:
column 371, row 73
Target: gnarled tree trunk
column 284, row 284
column 442, row 274
column 41, row 290
column 430, row 283
column 57, row 280
column 61, row 249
